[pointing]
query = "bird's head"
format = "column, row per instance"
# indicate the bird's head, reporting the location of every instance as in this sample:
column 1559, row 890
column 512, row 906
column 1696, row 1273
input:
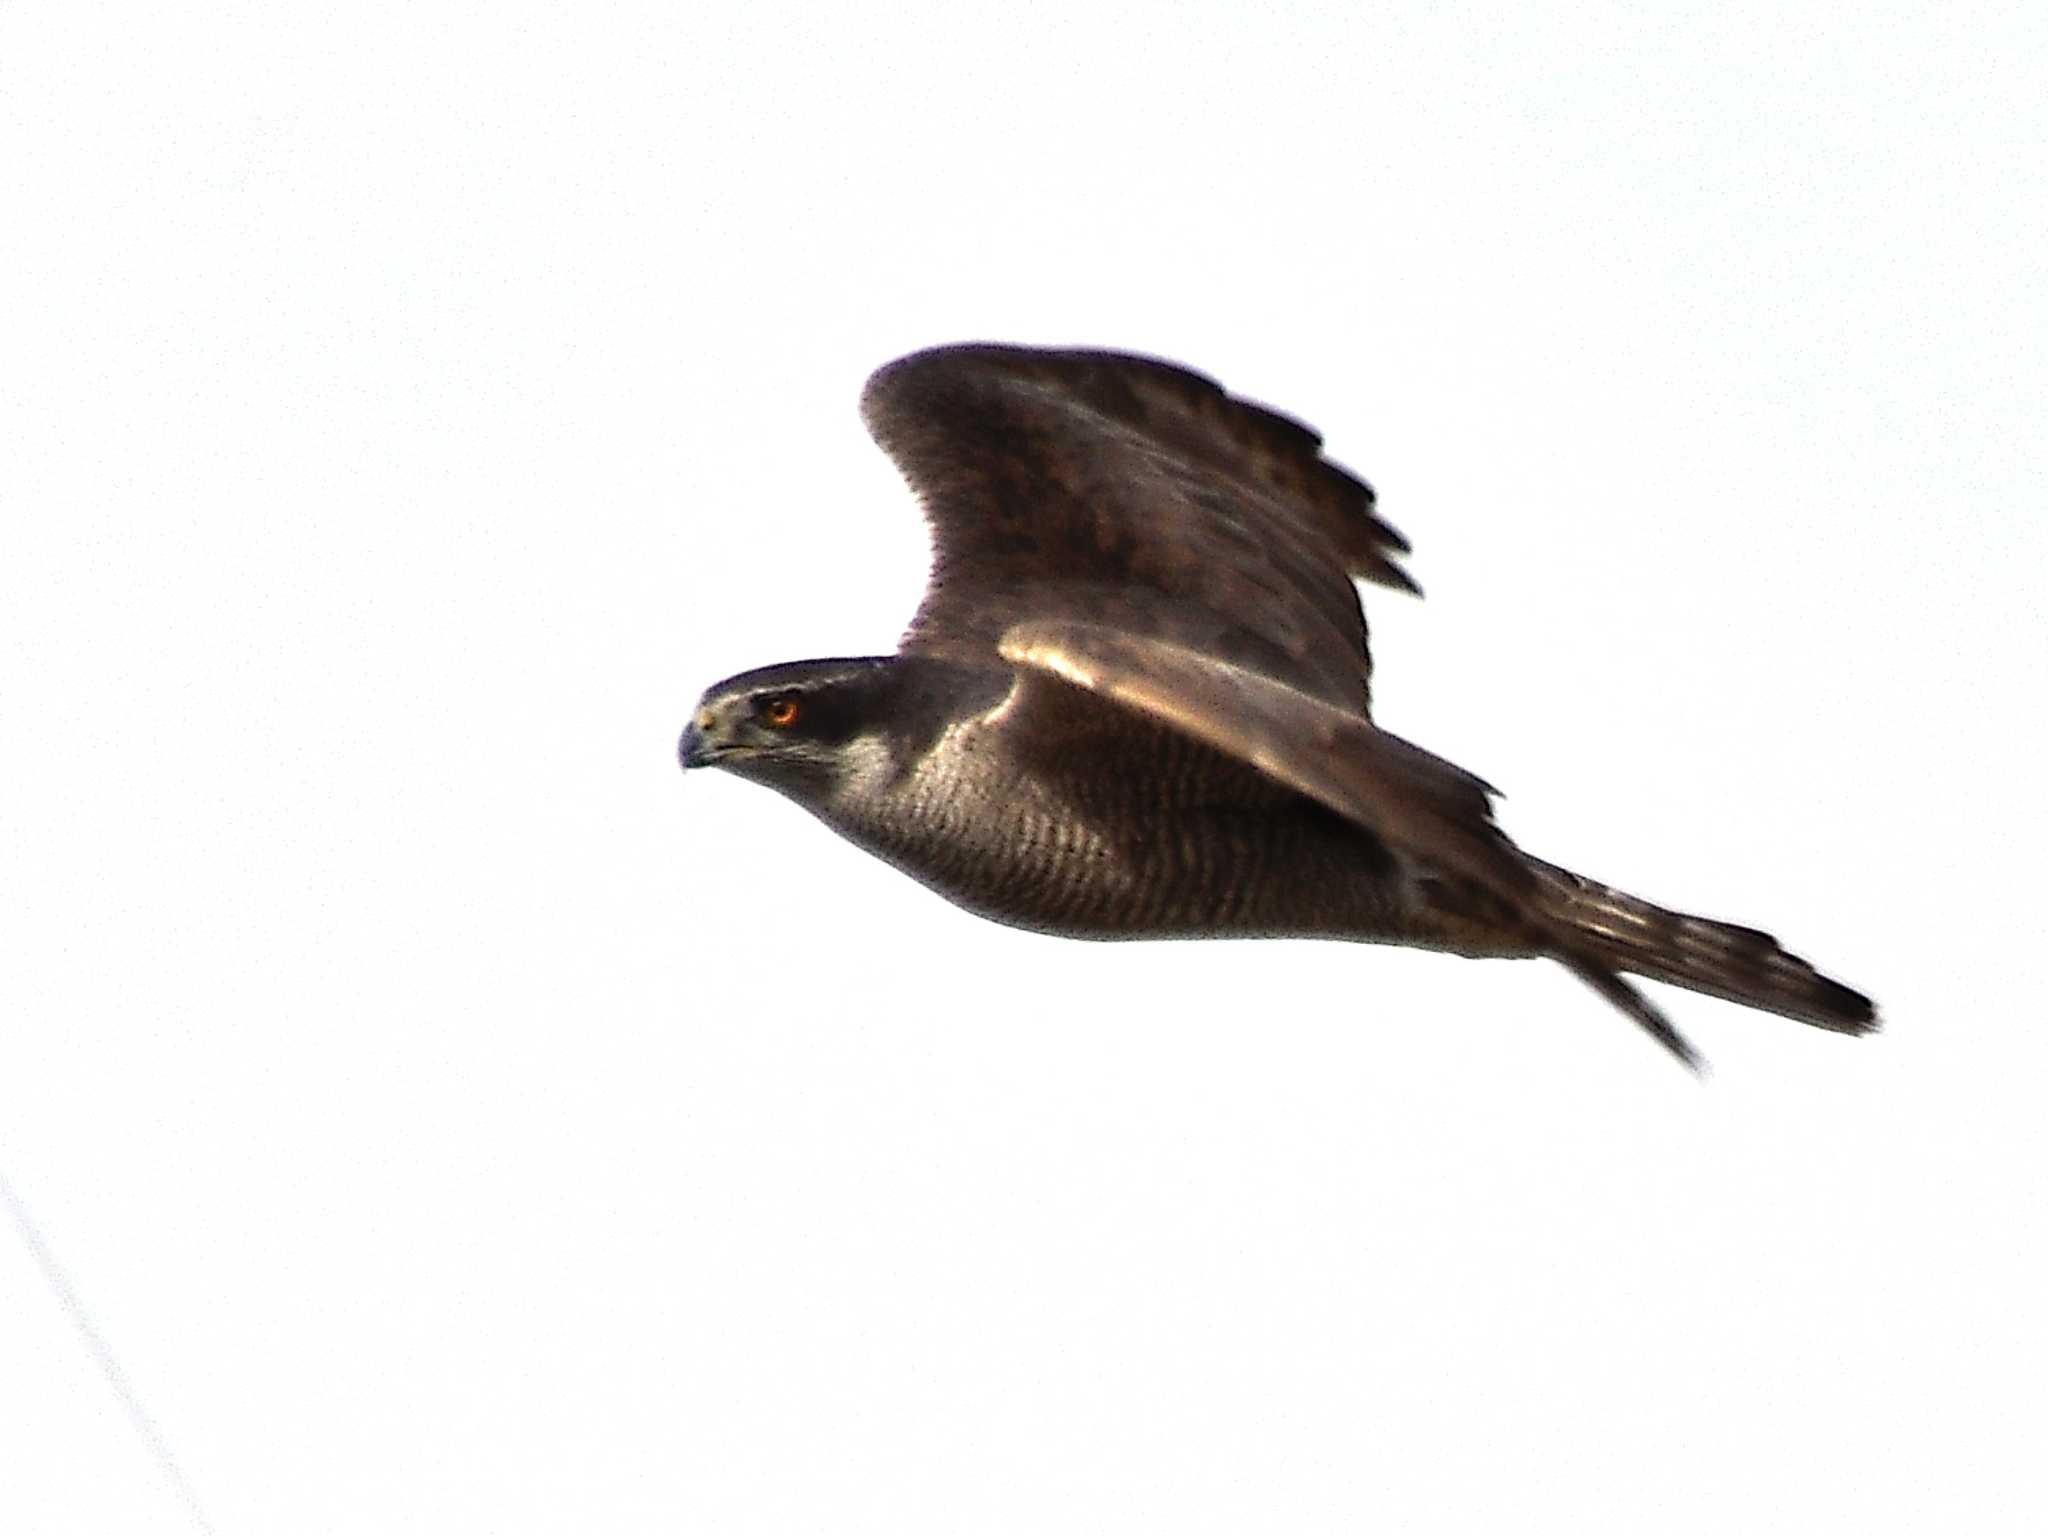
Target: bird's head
column 787, row 726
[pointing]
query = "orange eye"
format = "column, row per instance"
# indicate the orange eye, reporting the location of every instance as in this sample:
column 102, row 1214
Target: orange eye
column 780, row 712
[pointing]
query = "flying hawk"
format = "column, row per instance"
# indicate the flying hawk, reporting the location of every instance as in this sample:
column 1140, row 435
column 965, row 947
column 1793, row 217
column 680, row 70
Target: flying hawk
column 1134, row 702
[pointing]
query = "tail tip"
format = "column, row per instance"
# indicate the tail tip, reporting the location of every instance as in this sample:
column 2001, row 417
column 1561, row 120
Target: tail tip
column 1845, row 1010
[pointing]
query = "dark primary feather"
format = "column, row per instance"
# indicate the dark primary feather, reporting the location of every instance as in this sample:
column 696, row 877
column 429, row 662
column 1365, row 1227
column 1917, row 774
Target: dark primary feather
column 1098, row 486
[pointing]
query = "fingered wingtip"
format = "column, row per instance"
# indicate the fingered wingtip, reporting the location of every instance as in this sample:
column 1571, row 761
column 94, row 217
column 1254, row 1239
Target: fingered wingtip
column 1387, row 574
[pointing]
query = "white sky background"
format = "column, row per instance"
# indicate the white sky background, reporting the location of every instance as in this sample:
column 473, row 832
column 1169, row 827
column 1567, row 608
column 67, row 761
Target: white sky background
column 456, row 1121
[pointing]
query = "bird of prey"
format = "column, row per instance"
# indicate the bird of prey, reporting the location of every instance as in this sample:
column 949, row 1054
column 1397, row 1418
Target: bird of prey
column 1135, row 700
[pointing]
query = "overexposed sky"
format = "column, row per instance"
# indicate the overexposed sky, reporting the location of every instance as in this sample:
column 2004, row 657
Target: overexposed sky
column 453, row 1120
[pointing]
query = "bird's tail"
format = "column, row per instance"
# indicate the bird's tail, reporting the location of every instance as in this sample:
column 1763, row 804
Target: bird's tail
column 1625, row 933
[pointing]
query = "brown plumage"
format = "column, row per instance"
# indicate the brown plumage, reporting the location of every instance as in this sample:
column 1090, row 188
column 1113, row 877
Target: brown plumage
column 1134, row 701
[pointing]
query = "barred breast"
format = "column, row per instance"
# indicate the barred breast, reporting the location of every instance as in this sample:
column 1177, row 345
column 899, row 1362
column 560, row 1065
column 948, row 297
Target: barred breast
column 1145, row 835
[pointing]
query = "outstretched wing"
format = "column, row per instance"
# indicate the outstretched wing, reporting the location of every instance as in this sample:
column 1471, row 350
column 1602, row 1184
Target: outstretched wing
column 1124, row 491
column 1434, row 816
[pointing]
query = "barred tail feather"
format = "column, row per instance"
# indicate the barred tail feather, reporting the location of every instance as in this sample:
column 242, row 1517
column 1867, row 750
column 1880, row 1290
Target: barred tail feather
column 1742, row 965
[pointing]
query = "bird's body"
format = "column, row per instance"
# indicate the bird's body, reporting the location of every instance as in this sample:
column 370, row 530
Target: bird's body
column 1134, row 703
column 1045, row 840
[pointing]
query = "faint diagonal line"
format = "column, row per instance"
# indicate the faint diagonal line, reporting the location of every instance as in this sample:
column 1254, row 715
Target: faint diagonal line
column 124, row 1389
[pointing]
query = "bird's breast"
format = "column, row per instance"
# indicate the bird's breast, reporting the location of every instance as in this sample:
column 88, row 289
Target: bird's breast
column 1110, row 840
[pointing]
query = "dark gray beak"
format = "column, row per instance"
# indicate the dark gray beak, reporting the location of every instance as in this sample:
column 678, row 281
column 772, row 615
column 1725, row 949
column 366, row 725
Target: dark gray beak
column 694, row 750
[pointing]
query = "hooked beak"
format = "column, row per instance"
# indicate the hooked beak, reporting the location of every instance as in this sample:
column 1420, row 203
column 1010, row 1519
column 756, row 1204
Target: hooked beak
column 696, row 749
